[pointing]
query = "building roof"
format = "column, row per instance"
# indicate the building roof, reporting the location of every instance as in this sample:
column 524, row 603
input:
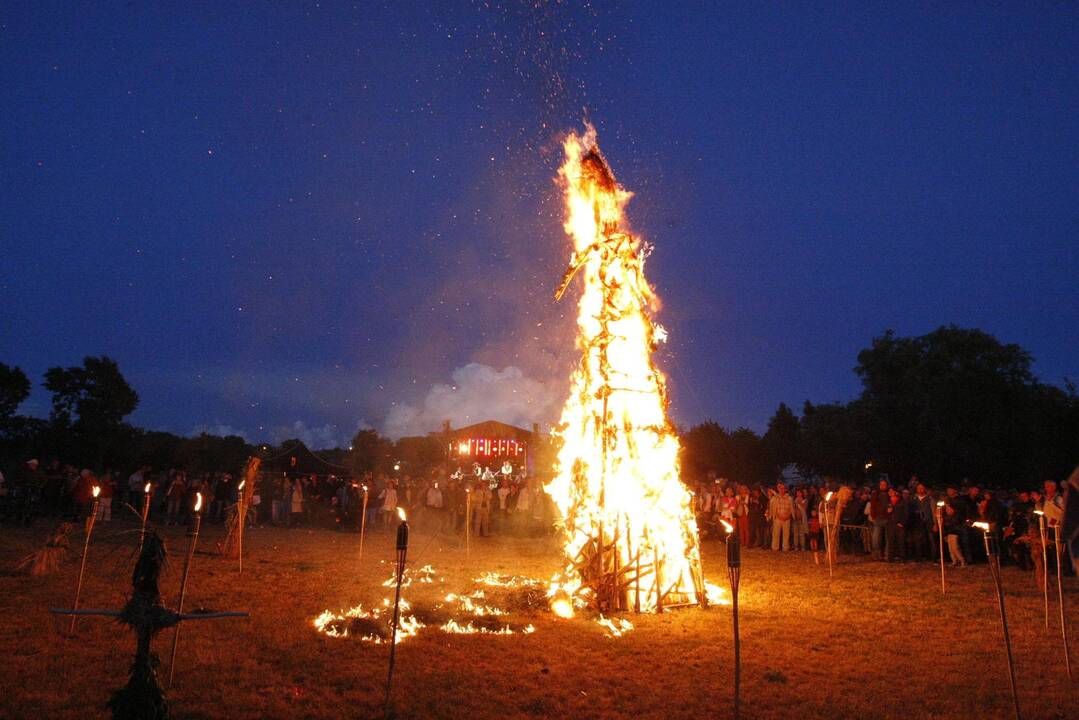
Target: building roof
column 491, row 429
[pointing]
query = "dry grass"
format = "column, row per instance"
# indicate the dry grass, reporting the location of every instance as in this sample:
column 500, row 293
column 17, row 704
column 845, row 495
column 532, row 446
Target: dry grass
column 877, row 642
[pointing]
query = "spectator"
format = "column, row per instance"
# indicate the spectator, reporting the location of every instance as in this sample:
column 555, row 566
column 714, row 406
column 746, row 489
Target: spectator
column 780, row 511
column 879, row 510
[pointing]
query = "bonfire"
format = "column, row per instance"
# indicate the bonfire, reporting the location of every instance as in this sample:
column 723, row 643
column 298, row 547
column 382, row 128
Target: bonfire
column 631, row 539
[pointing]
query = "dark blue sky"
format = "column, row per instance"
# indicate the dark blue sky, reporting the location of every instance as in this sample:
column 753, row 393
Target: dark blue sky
column 295, row 221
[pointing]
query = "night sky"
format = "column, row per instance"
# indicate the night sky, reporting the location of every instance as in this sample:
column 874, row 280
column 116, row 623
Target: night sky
column 296, row 222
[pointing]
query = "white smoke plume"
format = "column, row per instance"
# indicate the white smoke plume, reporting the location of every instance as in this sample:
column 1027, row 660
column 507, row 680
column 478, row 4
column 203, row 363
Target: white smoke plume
column 477, row 392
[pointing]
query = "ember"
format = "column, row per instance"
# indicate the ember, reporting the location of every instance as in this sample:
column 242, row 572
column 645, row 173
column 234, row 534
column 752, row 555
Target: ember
column 630, row 535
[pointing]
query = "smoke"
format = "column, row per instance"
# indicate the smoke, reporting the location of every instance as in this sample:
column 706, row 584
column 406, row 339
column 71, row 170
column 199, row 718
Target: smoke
column 477, row 392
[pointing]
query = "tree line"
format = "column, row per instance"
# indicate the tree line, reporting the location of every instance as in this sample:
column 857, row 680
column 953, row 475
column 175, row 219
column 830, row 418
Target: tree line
column 952, row 405
column 949, row 405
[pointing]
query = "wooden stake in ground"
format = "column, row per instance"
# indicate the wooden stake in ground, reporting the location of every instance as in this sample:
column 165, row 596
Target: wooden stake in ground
column 992, row 553
column 827, row 532
column 1045, row 562
column 734, row 571
column 468, row 521
column 142, row 697
column 145, row 515
column 363, row 520
column 402, row 551
column 183, row 582
column 85, row 551
column 940, row 531
column 1060, row 598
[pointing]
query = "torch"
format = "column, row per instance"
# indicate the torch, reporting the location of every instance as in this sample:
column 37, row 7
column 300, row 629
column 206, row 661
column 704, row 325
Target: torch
column 827, row 532
column 1045, row 562
column 468, row 521
column 363, row 520
column 734, row 570
column 183, row 581
column 992, row 552
column 1060, row 596
column 85, row 551
column 145, row 515
column 241, row 515
column 940, row 532
column 402, row 551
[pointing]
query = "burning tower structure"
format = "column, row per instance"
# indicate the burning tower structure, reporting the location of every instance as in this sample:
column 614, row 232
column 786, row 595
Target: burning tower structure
column 631, row 539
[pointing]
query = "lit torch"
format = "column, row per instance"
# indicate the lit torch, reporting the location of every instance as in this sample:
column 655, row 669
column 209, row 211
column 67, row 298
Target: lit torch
column 197, row 515
column 992, row 553
column 468, row 523
column 734, row 570
column 241, row 516
column 402, row 551
column 363, row 520
column 1045, row 562
column 940, row 532
column 1060, row 595
column 827, row 531
column 145, row 515
column 85, row 551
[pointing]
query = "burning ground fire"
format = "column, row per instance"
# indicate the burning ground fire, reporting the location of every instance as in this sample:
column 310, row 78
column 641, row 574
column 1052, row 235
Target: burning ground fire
column 631, row 539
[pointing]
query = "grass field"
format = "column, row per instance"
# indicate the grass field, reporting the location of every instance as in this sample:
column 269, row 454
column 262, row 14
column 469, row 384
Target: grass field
column 878, row 641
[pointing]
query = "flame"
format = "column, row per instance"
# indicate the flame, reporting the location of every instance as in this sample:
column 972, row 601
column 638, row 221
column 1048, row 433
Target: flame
column 241, row 485
column 615, row 629
column 401, row 514
column 727, row 526
column 940, row 503
column 96, row 490
column 1036, row 512
column 198, row 501
column 828, row 496
column 337, row 625
column 629, row 531
column 146, row 488
column 983, row 526
column 452, row 626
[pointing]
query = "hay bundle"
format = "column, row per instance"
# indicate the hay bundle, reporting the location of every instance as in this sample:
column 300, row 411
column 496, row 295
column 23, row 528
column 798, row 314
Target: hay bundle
column 238, row 512
column 47, row 560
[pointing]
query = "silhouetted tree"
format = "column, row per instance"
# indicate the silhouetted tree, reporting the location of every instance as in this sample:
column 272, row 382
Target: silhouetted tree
column 781, row 447
column 14, row 388
column 370, row 452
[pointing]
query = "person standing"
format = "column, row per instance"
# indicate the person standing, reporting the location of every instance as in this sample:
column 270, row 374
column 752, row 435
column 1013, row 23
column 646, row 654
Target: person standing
column 433, row 504
column 954, row 521
column 780, row 511
column 389, row 502
column 741, row 514
column 922, row 526
column 108, row 490
column 896, row 545
column 879, row 510
column 175, row 493
column 800, row 525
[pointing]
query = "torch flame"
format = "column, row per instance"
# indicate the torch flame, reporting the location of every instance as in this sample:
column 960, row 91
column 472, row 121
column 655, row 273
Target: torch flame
column 727, row 526
column 617, row 482
column 401, row 514
column 198, row 501
column 241, row 485
column 146, row 488
column 1039, row 512
column 983, row 526
column 940, row 503
column 828, row 496
column 96, row 490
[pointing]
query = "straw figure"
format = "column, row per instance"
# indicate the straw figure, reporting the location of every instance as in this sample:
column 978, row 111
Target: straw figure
column 47, row 560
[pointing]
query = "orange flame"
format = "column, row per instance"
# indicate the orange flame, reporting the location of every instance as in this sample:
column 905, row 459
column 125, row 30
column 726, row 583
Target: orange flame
column 146, row 488
column 617, row 480
column 198, row 501
column 401, row 514
column 96, row 490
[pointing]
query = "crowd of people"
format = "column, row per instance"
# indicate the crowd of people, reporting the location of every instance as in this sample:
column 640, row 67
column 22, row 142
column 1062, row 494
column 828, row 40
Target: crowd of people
column 893, row 523
column 890, row 523
column 486, row 501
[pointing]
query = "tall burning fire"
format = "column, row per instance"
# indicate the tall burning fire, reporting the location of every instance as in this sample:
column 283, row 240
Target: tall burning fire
column 630, row 535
